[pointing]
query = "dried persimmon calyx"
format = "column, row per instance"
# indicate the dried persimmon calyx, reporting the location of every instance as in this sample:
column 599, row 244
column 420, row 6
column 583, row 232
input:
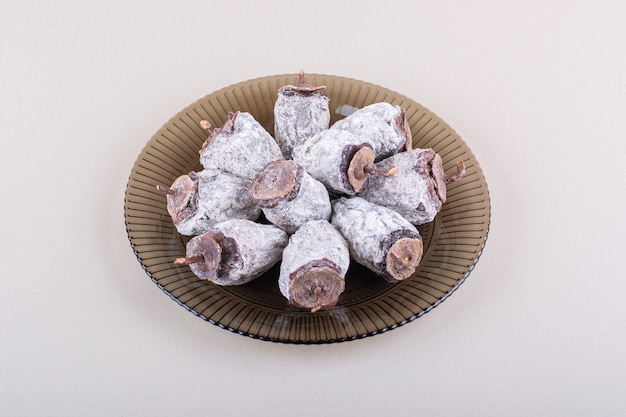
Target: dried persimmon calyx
column 181, row 197
column 384, row 126
column 289, row 196
column 314, row 265
column 418, row 190
column 242, row 147
column 182, row 202
column 379, row 238
column 338, row 159
column 234, row 252
column 300, row 112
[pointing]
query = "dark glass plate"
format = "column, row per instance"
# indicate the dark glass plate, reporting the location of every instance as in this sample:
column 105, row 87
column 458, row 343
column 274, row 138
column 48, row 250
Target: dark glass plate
column 453, row 242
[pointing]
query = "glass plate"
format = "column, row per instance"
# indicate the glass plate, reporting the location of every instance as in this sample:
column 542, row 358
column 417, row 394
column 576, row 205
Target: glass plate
column 453, row 242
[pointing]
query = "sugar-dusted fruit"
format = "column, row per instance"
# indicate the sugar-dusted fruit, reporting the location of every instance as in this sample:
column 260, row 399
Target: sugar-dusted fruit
column 241, row 147
column 289, row 196
column 300, row 112
column 418, row 190
column 382, row 125
column 340, row 160
column 379, row 238
column 234, row 252
column 198, row 200
column 314, row 265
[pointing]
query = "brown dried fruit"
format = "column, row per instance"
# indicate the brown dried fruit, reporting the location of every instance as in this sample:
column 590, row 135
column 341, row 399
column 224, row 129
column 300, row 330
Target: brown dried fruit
column 314, row 265
column 379, row 238
column 300, row 112
column 338, row 159
column 197, row 201
column 418, row 190
column 242, row 147
column 382, row 125
column 234, row 252
column 289, row 196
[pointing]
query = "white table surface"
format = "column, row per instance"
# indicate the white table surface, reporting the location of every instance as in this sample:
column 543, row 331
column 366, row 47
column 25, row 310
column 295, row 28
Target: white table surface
column 536, row 89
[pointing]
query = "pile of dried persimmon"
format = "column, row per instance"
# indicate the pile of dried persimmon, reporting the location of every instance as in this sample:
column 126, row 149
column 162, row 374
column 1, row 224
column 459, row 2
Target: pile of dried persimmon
column 314, row 197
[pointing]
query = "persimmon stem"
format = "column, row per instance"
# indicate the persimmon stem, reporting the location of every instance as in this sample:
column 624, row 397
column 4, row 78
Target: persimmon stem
column 165, row 190
column 189, row 261
column 204, row 124
column 460, row 171
column 301, row 78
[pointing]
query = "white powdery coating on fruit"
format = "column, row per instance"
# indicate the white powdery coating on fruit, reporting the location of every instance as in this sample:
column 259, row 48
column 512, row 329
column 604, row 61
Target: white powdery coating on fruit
column 194, row 225
column 298, row 118
column 406, row 192
column 365, row 225
column 244, row 152
column 260, row 247
column 322, row 156
column 224, row 196
column 315, row 240
column 376, row 124
column 311, row 203
column 221, row 196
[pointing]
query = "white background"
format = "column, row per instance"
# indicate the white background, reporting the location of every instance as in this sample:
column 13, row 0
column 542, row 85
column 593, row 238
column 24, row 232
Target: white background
column 537, row 89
